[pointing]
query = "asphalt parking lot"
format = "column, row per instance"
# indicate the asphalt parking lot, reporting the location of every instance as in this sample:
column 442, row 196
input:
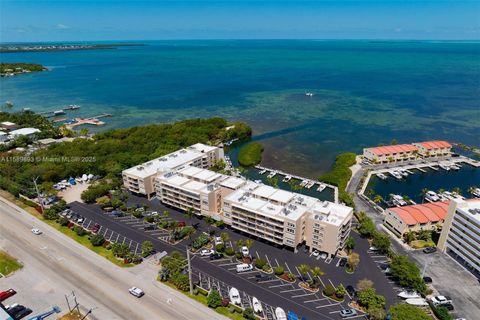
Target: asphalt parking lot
column 277, row 292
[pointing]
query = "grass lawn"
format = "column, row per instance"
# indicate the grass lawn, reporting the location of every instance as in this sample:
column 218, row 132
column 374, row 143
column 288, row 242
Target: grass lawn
column 418, row 244
column 250, row 154
column 203, row 300
column 8, row 264
column 68, row 232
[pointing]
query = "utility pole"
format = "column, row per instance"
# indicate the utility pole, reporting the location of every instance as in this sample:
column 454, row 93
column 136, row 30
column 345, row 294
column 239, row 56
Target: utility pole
column 189, row 271
column 38, row 193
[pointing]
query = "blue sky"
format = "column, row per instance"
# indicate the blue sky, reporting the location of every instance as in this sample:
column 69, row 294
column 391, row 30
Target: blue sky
column 203, row 19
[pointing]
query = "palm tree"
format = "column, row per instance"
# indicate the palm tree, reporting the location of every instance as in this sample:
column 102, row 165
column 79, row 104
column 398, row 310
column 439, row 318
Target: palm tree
column 457, row 190
column 224, row 236
column 409, row 236
column 316, row 273
column 249, row 243
column 303, row 269
column 190, row 213
column 369, row 192
column 423, row 193
column 350, row 244
column 378, row 199
column 441, row 190
column 239, row 243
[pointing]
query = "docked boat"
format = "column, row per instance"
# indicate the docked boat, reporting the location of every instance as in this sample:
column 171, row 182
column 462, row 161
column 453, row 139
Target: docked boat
column 321, row 187
column 257, row 181
column 403, row 172
column 287, row 178
column 280, row 314
column 396, row 174
column 272, row 174
column 419, row 302
column 74, row 106
column 406, row 294
column 454, row 167
column 310, row 184
column 303, row 183
column 444, row 166
column 263, row 171
column 58, row 112
column 432, row 196
column 257, row 306
column 398, row 200
column 381, row 176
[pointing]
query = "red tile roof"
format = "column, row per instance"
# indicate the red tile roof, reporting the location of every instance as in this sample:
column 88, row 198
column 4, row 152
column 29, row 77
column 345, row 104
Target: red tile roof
column 435, row 144
column 393, row 149
column 422, row 213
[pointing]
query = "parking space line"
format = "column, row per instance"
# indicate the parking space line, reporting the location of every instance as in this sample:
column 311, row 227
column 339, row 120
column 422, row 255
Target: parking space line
column 315, row 300
column 118, row 235
column 99, row 229
column 124, row 240
column 268, row 260
column 303, row 295
column 280, row 285
column 226, row 264
column 136, row 249
column 278, row 264
column 89, row 224
column 288, row 267
column 328, row 305
column 291, row 290
column 331, row 283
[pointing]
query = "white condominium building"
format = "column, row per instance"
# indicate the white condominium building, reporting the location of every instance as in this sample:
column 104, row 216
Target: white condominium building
column 287, row 218
column 460, row 235
column 193, row 188
column 140, row 179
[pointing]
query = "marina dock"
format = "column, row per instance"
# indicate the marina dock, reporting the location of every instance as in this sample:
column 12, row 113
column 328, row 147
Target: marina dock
column 58, row 112
column 305, row 181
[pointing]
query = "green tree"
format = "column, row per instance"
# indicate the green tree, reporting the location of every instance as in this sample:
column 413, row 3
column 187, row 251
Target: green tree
column 147, row 248
column 423, row 193
column 370, row 299
column 317, row 272
column 409, row 236
column 303, row 269
column 248, row 314
column 224, row 236
column 214, row 300
column 353, row 260
column 120, row 250
column 457, row 190
column 350, row 244
column 378, row 199
column 97, row 240
column 190, row 213
column 249, row 243
column 381, row 241
column 279, row 270
column 407, row 273
column 166, row 214
column 403, row 311
column 340, row 291
column 260, row 263
column 367, row 227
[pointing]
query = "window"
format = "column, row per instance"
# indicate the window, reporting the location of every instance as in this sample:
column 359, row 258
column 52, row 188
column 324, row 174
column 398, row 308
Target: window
column 290, row 230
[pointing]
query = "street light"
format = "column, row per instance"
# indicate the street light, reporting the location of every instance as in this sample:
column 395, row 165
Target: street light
column 38, row 193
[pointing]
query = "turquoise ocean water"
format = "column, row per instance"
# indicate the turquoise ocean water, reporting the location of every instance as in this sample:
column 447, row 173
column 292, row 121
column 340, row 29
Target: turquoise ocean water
column 365, row 92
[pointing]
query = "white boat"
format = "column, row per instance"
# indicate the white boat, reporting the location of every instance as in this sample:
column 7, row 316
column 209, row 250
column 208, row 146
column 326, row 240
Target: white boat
column 398, row 200
column 263, row 171
column 310, row 184
column 287, row 178
column 321, row 187
column 381, row 176
column 257, row 181
column 272, row 174
column 403, row 172
column 234, row 296
column 409, row 294
column 396, row 174
column 309, row 94
column 444, row 166
column 419, row 302
column 476, row 192
column 432, row 196
column 74, row 106
column 257, row 306
column 303, row 183
column 280, row 314
column 58, row 112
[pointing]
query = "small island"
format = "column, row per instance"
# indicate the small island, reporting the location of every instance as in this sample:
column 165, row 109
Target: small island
column 250, row 154
column 13, row 69
column 61, row 47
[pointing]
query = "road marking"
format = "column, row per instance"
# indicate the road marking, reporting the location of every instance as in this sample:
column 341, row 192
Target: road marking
column 99, row 229
column 291, row 290
column 331, row 312
column 136, row 249
column 314, row 300
column 288, row 267
column 124, row 240
column 226, row 264
column 303, row 295
column 89, row 224
column 278, row 264
column 280, row 285
column 328, row 305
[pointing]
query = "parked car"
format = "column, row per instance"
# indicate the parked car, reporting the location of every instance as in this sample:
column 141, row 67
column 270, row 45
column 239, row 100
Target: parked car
column 343, row 262
column 351, row 291
column 245, row 251
column 449, row 306
column 117, row 213
column 347, row 313
column 80, row 219
column 244, row 267
column 427, row 280
column 263, row 277
column 441, row 300
column 4, row 295
column 323, row 255
column 22, row 313
column 36, row 231
column 149, row 227
column 216, row 256
column 206, row 252
column 218, row 241
column 14, row 310
column 315, row 253
column 181, row 224
column 95, row 227
column 429, row 250
column 137, row 292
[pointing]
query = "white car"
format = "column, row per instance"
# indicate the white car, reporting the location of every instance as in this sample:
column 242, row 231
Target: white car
column 36, row 231
column 440, row 300
column 206, row 252
column 137, row 292
column 315, row 253
column 218, row 241
column 245, row 251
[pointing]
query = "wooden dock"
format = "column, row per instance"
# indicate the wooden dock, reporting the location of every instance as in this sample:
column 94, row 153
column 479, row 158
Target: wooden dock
column 91, row 121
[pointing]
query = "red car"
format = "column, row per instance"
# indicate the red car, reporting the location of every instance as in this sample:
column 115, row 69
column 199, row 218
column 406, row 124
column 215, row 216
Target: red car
column 4, row 295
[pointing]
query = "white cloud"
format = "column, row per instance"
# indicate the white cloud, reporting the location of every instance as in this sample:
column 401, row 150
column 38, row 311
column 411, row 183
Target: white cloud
column 61, row 26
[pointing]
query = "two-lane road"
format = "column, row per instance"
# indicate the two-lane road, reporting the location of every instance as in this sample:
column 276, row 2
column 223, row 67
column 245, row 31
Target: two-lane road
column 66, row 265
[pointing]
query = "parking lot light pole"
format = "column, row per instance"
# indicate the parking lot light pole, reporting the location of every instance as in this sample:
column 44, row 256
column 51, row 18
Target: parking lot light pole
column 38, row 193
column 189, row 271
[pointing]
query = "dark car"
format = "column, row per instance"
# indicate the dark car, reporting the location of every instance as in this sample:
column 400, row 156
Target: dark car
column 427, row 280
column 4, row 295
column 23, row 313
column 449, row 306
column 116, row 213
column 351, row 291
column 263, row 277
column 150, row 227
column 216, row 256
column 13, row 311
column 430, row 250
column 343, row 262
column 95, row 227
